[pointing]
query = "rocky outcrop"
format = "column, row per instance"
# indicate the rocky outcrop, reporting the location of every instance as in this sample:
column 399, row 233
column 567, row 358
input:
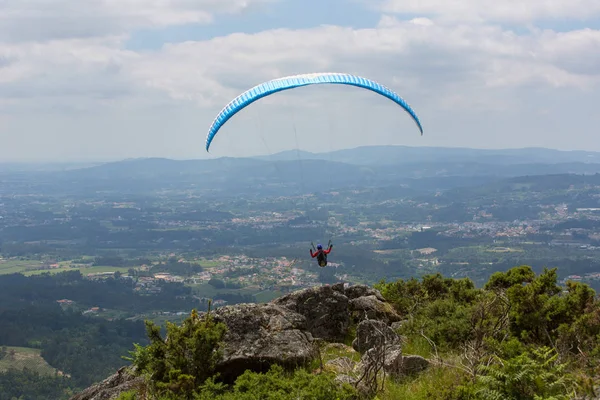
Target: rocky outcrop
column 325, row 309
column 390, row 360
column 371, row 333
column 397, row 325
column 112, row 387
column 287, row 331
column 262, row 334
column 329, row 310
column 394, row 361
column 370, row 307
column 356, row 291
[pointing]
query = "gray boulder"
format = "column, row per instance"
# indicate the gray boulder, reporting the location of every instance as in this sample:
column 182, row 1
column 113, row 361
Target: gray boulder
column 372, row 333
column 393, row 360
column 355, row 291
column 389, row 360
column 413, row 364
column 325, row 309
column 370, row 307
column 260, row 335
column 398, row 324
column 112, row 387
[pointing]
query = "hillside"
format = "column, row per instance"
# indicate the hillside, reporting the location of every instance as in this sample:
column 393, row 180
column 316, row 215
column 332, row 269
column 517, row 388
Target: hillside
column 24, row 357
column 291, row 172
column 389, row 155
column 520, row 337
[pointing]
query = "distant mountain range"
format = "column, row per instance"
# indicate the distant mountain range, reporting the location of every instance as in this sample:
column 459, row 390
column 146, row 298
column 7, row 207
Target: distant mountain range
column 382, row 155
column 442, row 168
column 383, row 161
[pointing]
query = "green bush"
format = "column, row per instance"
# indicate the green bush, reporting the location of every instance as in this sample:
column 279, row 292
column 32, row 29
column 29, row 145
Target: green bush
column 276, row 384
column 180, row 364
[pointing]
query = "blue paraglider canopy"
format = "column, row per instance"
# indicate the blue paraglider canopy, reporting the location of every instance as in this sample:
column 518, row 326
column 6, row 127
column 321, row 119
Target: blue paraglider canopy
column 290, row 82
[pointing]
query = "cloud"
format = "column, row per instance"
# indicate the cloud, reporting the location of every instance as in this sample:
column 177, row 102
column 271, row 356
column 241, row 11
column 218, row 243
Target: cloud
column 65, row 69
column 491, row 10
column 426, row 57
column 442, row 63
column 70, row 63
column 31, row 20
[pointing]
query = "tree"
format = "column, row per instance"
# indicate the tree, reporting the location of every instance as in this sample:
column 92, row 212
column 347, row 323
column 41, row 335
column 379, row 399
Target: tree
column 182, row 362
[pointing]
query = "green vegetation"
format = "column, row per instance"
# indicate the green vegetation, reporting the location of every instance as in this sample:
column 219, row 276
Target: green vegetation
column 16, row 266
column 131, row 221
column 23, row 357
column 31, row 385
column 521, row 337
column 376, row 230
column 178, row 366
column 183, row 367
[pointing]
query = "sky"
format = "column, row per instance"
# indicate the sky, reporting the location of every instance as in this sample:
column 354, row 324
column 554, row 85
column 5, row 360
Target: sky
column 101, row 80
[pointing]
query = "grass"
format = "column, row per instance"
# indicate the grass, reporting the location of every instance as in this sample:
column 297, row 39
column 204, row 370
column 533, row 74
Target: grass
column 331, row 351
column 84, row 270
column 208, row 263
column 434, row 383
column 437, row 382
column 504, row 250
column 334, row 350
column 99, row 269
column 31, row 267
column 205, row 290
column 25, row 357
column 16, row 266
column 418, row 346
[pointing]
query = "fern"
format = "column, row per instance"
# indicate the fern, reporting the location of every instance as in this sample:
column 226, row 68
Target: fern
column 533, row 375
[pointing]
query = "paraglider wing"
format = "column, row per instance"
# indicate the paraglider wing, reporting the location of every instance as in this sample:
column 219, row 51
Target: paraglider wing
column 290, row 82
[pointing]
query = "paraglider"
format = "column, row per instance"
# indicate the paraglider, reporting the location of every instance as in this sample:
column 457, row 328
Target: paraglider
column 295, row 81
column 290, row 82
column 321, row 254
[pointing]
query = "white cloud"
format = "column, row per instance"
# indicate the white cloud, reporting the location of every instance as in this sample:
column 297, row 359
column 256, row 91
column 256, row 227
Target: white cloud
column 486, row 10
column 469, row 71
column 423, row 56
column 24, row 20
column 68, row 69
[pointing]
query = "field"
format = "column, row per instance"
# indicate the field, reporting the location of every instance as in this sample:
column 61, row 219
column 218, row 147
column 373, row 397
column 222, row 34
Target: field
column 29, row 268
column 24, row 357
column 15, row 266
column 504, row 250
column 99, row 269
column 208, row 264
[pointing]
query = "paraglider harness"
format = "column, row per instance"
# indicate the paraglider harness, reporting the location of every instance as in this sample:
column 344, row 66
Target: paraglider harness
column 321, row 254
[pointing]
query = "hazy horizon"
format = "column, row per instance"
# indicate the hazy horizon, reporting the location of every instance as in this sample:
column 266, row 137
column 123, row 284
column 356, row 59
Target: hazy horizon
column 267, row 155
